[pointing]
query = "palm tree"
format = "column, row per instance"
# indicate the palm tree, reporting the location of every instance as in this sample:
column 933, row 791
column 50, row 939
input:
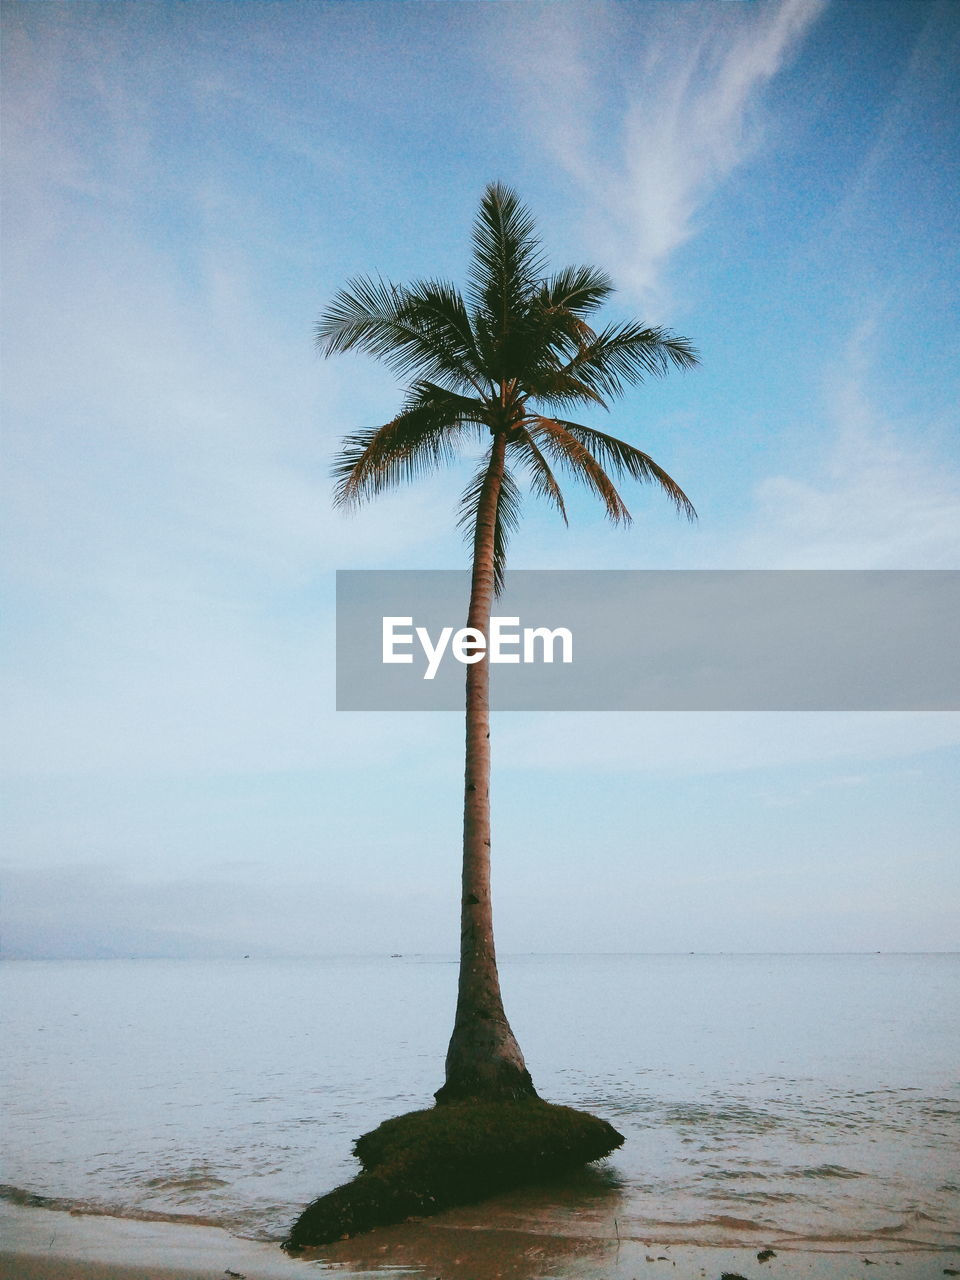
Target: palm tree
column 497, row 366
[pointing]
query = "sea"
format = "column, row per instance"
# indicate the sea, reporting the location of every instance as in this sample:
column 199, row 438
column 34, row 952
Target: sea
column 806, row 1099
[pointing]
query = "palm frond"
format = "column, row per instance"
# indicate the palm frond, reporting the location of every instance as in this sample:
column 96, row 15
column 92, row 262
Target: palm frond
column 420, row 437
column 578, row 290
column 440, row 311
column 624, row 458
column 506, row 519
column 556, row 319
column 363, row 314
column 542, row 480
column 427, row 395
column 507, row 261
column 628, row 353
column 397, row 325
column 556, row 388
column 580, row 462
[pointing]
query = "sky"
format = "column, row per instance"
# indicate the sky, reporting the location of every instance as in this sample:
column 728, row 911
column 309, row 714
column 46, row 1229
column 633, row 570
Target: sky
column 186, row 186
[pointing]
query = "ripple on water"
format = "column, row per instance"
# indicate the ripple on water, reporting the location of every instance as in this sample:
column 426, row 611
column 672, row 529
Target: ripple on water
column 823, row 1171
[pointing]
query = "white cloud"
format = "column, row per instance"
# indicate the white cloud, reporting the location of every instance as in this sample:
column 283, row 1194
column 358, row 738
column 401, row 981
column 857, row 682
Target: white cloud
column 687, row 118
column 877, row 506
column 882, row 496
column 170, row 539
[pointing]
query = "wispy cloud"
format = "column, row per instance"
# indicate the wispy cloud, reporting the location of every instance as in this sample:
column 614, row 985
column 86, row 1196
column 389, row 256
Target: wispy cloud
column 169, row 537
column 881, row 496
column 649, row 138
column 927, row 77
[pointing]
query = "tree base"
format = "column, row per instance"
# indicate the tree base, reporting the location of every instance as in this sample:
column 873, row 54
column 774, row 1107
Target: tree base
column 427, row 1161
column 508, row 1085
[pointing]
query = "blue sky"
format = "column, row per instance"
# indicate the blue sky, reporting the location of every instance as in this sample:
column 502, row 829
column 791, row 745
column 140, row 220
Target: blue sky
column 186, row 186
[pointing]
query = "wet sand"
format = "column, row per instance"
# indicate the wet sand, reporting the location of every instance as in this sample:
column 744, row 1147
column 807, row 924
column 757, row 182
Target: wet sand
column 42, row 1244
column 50, row 1244
column 24, row 1267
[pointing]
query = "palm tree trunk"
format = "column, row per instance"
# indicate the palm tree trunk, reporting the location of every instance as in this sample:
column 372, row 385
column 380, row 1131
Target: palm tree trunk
column 484, row 1061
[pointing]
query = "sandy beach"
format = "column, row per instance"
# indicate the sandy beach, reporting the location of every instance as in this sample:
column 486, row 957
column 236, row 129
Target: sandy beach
column 42, row 1244
column 49, row 1244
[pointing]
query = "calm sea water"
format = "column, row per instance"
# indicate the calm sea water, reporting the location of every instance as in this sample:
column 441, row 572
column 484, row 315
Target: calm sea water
column 807, row 1098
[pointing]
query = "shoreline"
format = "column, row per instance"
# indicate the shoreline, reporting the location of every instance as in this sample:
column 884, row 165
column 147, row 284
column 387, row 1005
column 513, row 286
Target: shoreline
column 57, row 1244
column 62, row 1244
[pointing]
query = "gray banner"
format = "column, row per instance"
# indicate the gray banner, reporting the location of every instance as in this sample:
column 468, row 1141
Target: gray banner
column 625, row 640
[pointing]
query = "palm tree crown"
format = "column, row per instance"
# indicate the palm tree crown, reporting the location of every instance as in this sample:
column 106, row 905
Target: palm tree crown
column 508, row 360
